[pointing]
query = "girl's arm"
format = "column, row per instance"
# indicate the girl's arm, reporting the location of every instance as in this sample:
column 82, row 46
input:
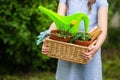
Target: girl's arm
column 102, row 23
column 62, row 11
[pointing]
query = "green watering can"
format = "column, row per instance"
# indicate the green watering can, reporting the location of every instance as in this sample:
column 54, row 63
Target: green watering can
column 70, row 22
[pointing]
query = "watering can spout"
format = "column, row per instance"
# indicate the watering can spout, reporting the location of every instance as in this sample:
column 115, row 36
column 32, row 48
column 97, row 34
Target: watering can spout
column 52, row 15
column 47, row 12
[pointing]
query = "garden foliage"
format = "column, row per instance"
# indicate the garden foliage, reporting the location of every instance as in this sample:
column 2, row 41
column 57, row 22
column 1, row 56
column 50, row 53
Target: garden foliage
column 21, row 22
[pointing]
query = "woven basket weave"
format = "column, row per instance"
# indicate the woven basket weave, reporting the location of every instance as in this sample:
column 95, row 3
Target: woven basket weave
column 67, row 51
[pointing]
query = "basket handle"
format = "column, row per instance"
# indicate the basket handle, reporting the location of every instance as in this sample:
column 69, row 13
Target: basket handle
column 95, row 32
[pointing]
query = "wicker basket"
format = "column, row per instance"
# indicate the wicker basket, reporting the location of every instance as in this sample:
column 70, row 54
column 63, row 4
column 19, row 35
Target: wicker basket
column 67, row 51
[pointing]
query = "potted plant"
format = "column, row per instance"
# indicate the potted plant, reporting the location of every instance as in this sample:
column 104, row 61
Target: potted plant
column 61, row 35
column 82, row 38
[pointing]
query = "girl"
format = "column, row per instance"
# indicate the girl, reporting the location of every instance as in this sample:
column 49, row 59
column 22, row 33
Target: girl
column 97, row 11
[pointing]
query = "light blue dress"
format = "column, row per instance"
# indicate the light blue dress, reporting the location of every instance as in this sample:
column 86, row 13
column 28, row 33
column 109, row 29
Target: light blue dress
column 93, row 70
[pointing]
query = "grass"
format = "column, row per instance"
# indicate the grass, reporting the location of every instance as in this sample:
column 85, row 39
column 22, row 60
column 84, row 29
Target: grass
column 39, row 76
column 29, row 76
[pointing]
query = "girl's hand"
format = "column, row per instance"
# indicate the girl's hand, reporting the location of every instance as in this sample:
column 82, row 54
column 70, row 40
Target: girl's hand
column 45, row 49
column 91, row 52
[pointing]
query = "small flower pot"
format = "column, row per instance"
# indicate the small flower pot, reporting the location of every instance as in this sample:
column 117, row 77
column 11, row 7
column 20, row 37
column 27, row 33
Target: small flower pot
column 54, row 36
column 82, row 43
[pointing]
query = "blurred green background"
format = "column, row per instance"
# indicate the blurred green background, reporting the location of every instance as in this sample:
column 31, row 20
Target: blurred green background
column 21, row 59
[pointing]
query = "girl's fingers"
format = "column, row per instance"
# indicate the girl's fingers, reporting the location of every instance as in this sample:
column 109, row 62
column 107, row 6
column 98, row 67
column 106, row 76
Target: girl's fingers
column 87, row 56
column 45, row 48
column 90, row 47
